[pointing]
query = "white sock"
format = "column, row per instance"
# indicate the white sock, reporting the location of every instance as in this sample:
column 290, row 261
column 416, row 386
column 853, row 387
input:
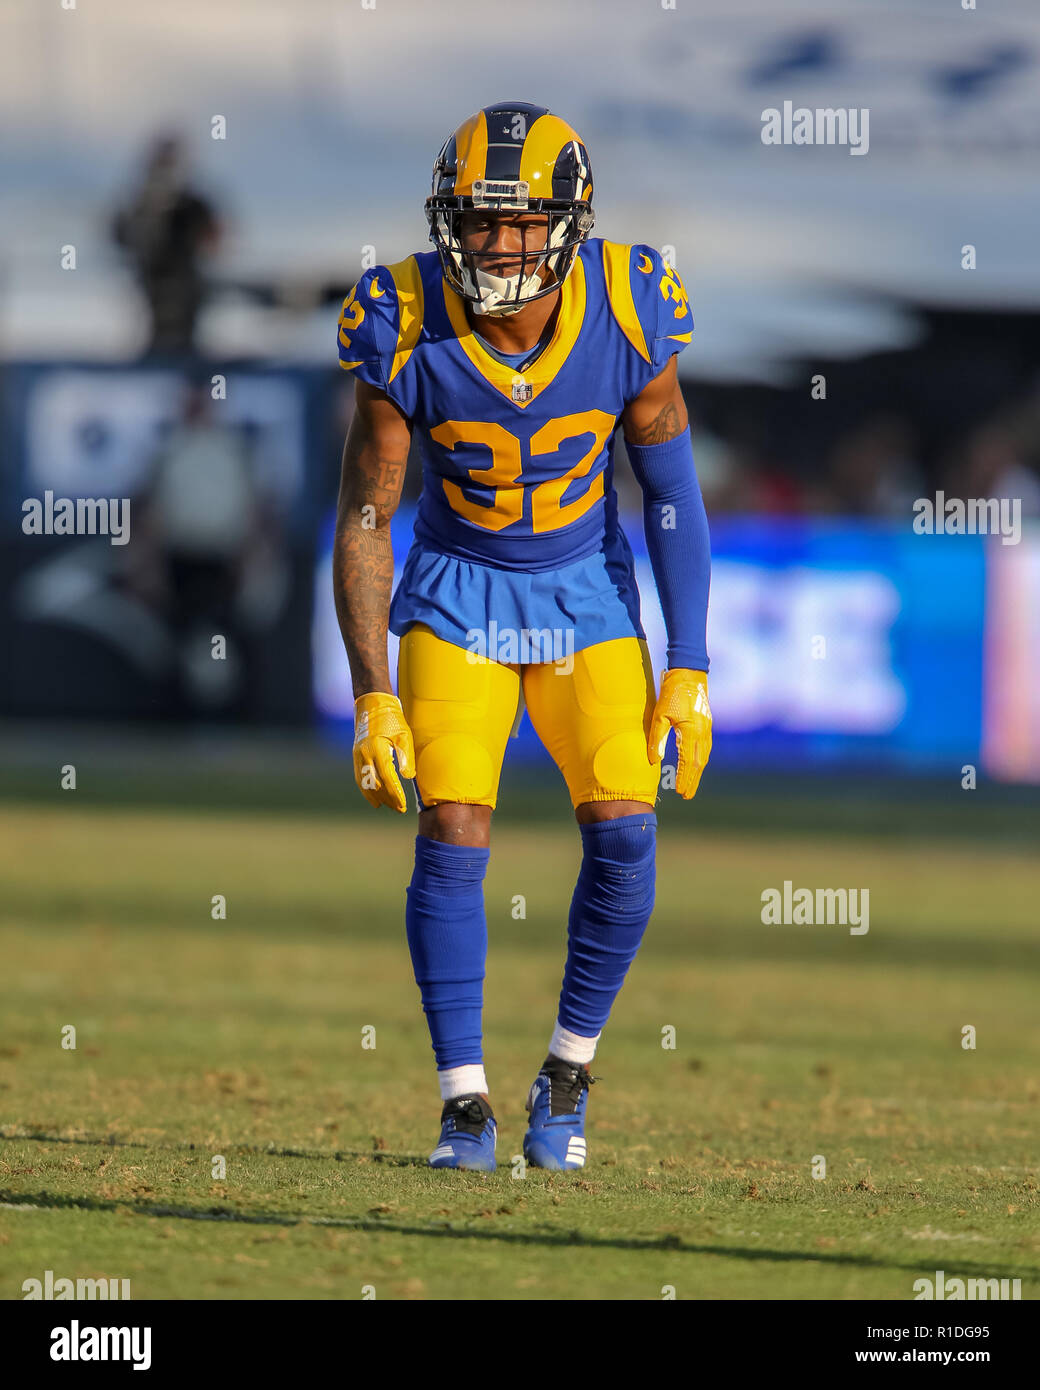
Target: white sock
column 460, row 1081
column 572, row 1047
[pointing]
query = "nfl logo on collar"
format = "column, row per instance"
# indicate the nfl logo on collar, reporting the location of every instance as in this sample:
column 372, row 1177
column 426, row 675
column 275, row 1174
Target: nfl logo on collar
column 522, row 391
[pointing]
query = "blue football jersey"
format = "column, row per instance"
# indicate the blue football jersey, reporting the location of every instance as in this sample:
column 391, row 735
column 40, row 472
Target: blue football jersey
column 517, row 467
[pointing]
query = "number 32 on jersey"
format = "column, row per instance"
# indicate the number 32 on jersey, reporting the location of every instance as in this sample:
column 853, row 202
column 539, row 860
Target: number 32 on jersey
column 504, row 474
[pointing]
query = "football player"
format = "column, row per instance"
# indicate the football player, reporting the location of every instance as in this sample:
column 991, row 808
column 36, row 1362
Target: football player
column 515, row 349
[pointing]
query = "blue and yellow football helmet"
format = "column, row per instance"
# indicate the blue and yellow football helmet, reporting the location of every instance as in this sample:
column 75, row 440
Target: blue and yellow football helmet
column 511, row 158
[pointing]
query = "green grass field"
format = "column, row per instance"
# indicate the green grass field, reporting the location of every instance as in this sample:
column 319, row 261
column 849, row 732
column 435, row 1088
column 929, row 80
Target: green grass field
column 243, row 1038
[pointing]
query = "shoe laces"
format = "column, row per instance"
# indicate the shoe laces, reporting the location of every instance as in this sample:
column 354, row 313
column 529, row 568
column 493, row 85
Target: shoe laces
column 567, row 1083
column 468, row 1114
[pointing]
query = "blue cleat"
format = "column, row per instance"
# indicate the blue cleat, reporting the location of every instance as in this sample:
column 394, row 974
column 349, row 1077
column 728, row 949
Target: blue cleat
column 555, row 1137
column 468, row 1135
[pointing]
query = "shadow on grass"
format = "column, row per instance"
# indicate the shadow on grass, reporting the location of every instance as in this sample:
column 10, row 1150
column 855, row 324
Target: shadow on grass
column 110, row 1141
column 45, row 1201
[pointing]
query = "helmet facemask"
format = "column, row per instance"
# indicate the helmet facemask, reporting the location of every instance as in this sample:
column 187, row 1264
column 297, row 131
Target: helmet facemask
column 569, row 224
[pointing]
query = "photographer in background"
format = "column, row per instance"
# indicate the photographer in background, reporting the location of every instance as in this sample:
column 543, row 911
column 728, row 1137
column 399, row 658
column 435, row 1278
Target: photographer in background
column 167, row 228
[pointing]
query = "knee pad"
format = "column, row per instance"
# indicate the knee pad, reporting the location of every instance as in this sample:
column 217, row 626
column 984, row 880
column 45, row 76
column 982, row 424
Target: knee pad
column 619, row 764
column 456, row 767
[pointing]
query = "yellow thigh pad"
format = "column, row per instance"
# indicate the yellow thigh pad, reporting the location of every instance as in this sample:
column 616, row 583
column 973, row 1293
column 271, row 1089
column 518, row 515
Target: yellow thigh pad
column 460, row 708
column 595, row 720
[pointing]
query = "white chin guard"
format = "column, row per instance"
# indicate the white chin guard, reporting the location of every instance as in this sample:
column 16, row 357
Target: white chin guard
column 498, row 294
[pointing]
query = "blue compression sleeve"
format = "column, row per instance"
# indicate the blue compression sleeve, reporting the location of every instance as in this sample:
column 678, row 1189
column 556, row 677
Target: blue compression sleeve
column 678, row 543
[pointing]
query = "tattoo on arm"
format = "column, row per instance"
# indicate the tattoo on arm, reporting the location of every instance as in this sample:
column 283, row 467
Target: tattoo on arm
column 363, row 561
column 664, row 426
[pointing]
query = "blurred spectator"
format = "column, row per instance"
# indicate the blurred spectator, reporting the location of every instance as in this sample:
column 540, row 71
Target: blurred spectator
column 871, row 471
column 718, row 470
column 167, row 228
column 771, row 489
column 221, row 552
column 990, row 464
column 739, row 474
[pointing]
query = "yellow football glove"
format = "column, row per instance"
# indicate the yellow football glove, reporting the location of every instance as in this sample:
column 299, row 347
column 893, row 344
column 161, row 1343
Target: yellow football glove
column 683, row 706
column 380, row 731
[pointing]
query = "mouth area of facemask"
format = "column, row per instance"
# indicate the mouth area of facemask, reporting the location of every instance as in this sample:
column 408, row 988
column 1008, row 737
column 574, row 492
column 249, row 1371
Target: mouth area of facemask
column 501, row 295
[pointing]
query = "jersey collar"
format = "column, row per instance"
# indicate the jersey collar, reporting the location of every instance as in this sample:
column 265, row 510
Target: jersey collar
column 542, row 372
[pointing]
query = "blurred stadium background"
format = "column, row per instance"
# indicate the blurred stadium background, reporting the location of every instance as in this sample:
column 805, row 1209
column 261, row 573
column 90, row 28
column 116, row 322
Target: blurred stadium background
column 198, row 257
